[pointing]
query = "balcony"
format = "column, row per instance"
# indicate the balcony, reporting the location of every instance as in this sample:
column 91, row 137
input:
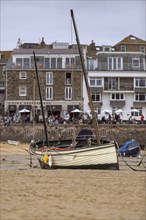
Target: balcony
column 126, row 86
column 117, row 103
column 119, row 87
column 103, row 66
column 140, row 89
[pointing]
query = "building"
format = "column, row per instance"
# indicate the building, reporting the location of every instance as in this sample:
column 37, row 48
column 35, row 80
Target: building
column 4, row 56
column 116, row 74
column 60, row 79
column 117, row 78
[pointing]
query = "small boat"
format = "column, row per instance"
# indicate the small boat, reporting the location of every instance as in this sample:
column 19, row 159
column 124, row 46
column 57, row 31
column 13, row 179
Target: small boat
column 130, row 148
column 94, row 157
column 83, row 153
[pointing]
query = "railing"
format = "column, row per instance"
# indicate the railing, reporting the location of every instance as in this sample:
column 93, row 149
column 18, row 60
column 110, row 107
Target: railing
column 40, row 66
column 125, row 67
column 122, row 86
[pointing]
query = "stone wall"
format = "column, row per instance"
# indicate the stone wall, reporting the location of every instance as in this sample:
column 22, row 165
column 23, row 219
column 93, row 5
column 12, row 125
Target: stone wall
column 119, row 133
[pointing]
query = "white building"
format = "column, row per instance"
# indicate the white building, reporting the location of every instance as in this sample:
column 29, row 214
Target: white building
column 117, row 79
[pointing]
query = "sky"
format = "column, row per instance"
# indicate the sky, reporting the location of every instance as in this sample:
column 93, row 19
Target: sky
column 106, row 22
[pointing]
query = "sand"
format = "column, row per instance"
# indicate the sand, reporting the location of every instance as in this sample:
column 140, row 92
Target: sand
column 34, row 194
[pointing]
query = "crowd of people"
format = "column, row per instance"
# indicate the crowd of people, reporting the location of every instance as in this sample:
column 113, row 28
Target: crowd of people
column 67, row 119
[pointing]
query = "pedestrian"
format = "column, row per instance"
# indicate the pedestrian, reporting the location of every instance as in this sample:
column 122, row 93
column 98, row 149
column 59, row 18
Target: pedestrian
column 142, row 118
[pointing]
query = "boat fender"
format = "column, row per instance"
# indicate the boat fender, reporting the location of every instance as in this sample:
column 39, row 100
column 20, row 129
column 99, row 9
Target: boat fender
column 45, row 158
column 50, row 160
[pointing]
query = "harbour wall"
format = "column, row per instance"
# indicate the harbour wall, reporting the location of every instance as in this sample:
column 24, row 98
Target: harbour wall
column 117, row 132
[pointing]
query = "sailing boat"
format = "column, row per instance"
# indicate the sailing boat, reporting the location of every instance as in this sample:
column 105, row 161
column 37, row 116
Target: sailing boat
column 88, row 156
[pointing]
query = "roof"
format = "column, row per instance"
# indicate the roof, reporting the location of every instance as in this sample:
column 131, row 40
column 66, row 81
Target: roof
column 44, row 51
column 5, row 55
column 131, row 39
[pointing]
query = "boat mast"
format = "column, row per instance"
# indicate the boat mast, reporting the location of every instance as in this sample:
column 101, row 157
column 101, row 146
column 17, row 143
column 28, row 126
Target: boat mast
column 39, row 89
column 86, row 80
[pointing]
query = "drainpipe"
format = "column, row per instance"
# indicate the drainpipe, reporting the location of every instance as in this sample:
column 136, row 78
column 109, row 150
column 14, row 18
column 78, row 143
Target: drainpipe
column 6, row 96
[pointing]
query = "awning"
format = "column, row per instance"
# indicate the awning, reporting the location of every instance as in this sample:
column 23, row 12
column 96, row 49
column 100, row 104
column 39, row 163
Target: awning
column 53, row 108
column 72, row 107
column 12, row 107
column 28, row 107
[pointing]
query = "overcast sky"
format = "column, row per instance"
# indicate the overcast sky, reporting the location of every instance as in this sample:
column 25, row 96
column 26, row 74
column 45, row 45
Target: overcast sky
column 105, row 22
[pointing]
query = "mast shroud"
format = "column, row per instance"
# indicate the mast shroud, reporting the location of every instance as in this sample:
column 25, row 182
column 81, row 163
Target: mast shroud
column 95, row 124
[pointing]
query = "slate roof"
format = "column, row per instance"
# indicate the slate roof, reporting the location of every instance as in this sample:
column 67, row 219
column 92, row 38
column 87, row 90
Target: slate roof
column 44, row 51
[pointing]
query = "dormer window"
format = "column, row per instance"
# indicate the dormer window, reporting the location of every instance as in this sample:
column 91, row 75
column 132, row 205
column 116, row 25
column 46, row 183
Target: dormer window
column 142, row 49
column 22, row 75
column 123, row 48
column 132, row 38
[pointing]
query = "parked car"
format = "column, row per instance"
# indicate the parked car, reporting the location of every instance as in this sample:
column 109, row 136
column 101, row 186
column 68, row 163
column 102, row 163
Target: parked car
column 130, row 148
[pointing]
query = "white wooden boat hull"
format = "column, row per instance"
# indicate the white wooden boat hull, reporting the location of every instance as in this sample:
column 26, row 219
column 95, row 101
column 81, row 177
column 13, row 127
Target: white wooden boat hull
column 98, row 156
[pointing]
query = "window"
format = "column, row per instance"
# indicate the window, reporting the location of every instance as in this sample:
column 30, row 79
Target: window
column 26, row 63
column 2, row 84
column 47, row 63
column 106, row 48
column 19, row 62
column 136, row 113
column 123, row 48
column 96, row 97
column 117, row 96
column 49, row 78
column 91, row 65
column 142, row 49
column 94, row 81
column 135, row 62
column 77, row 62
column 113, row 83
column 115, row 63
column 22, row 91
column 70, row 62
column 22, row 75
column 140, row 82
column 140, row 96
column 67, row 62
column 40, row 61
column 53, row 63
column 68, row 93
column 23, row 63
column 59, row 63
column 68, row 79
column 49, row 92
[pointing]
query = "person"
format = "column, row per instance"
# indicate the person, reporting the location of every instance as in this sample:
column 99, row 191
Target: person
column 103, row 120
column 130, row 119
column 142, row 118
column 109, row 117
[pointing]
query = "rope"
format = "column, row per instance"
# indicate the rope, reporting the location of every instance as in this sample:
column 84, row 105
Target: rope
column 141, row 162
column 131, row 166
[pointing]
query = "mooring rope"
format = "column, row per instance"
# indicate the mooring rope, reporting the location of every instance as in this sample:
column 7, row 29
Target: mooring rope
column 132, row 167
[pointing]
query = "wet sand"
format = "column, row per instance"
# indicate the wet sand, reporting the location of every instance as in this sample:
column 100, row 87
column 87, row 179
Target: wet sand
column 34, row 194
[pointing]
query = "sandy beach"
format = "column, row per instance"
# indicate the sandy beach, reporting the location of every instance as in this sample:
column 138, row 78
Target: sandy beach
column 28, row 193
